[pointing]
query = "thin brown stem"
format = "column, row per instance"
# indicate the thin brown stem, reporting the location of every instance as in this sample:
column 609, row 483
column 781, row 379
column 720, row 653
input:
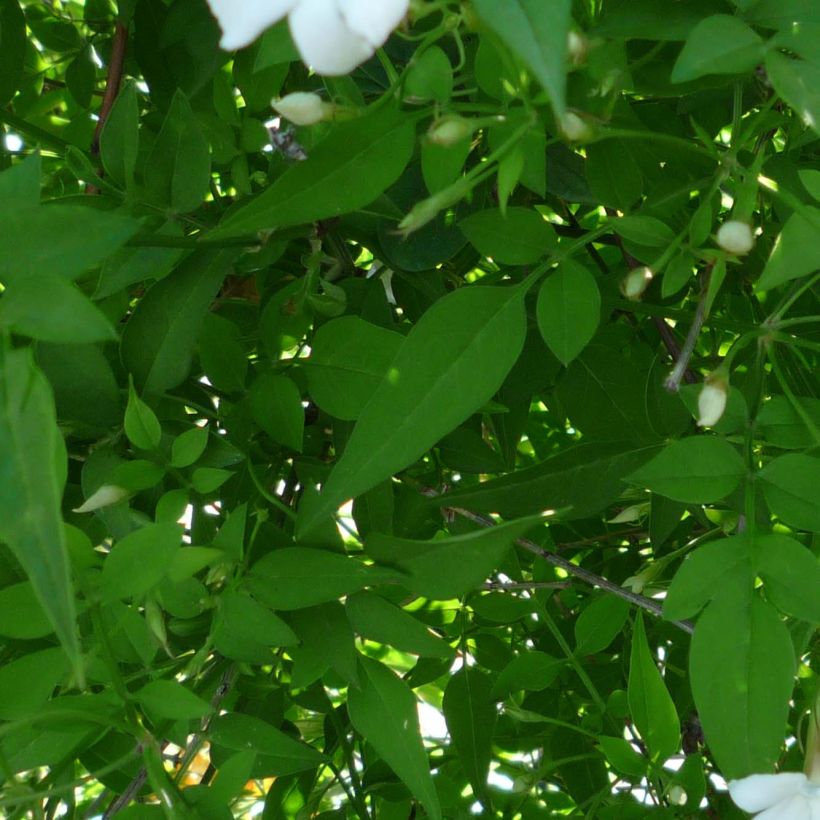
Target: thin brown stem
column 582, row 574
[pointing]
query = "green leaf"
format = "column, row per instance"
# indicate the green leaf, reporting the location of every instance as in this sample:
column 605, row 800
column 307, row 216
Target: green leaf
column 568, row 310
column 26, row 683
column 790, row 485
column 50, row 309
column 244, row 629
column 599, row 624
column 622, row 756
column 430, row 76
column 415, row 404
column 158, row 342
column 276, row 406
column 285, row 754
column 32, row 475
column 223, row 357
column 782, row 426
column 78, row 239
column 798, row 83
column 447, row 568
column 178, row 170
column 537, row 33
column 742, row 670
column 206, row 480
column 652, row 708
column 383, row 710
column 644, row 230
column 585, row 478
column 375, row 618
column 613, row 174
column 12, row 48
column 795, row 253
column 604, row 395
column 531, row 671
column 719, row 44
column 520, row 236
column 791, row 575
column 141, row 424
column 297, row 577
column 20, row 184
column 189, row 446
column 653, row 19
column 471, row 715
column 119, row 140
column 712, row 568
column 355, row 163
column 695, row 470
column 140, row 561
column 170, row 700
column 21, row 613
column 325, row 632
column 349, row 358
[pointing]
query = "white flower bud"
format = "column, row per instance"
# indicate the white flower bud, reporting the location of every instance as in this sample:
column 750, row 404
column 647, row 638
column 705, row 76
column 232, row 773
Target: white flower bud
column 712, row 400
column 735, row 236
column 449, row 130
column 577, row 47
column 303, row 108
column 107, row 495
column 576, row 129
column 636, row 282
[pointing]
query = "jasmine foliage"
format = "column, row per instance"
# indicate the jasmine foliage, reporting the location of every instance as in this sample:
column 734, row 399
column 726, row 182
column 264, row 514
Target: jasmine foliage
column 532, row 284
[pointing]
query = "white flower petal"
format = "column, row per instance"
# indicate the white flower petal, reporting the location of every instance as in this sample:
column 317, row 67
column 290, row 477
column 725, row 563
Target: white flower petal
column 324, row 40
column 373, row 19
column 762, row 791
column 797, row 807
column 711, row 403
column 242, row 21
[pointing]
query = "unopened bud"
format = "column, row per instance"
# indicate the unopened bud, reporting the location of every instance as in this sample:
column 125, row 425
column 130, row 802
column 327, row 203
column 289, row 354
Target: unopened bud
column 712, row 400
column 575, row 128
column 449, row 130
column 107, row 495
column 303, row 108
column 428, row 209
column 577, row 47
column 635, row 283
column 735, row 236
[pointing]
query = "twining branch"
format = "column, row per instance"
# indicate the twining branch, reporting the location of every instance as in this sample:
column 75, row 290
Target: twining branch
column 582, row 574
column 112, row 83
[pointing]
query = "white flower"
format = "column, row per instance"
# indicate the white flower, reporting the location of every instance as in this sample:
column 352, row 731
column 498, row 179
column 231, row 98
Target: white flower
column 736, row 236
column 333, row 36
column 784, row 796
column 712, row 401
column 303, row 108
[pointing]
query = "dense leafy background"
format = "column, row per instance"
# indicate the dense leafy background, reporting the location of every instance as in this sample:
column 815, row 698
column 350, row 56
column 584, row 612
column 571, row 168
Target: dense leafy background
column 215, row 335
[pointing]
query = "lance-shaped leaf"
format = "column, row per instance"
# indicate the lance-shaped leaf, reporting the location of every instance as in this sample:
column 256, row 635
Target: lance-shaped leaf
column 470, row 712
column 159, row 339
column 383, row 710
column 357, row 161
column 653, row 710
column 451, row 363
column 32, row 475
column 447, row 568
